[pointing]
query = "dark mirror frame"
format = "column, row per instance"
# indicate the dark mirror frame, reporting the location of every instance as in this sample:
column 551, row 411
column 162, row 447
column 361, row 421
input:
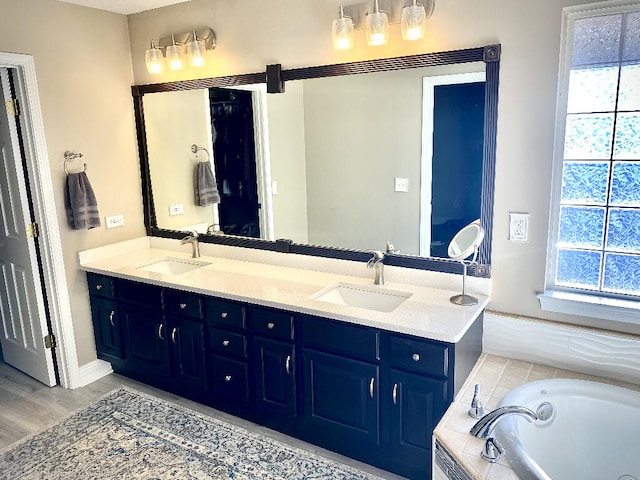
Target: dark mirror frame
column 275, row 78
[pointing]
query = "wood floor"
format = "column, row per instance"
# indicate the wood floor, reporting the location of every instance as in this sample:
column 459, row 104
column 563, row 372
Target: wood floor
column 28, row 406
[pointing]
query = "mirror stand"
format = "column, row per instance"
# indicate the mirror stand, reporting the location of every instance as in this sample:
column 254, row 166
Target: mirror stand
column 464, row 299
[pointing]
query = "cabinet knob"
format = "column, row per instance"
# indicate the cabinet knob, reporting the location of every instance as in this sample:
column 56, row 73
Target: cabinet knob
column 416, row 357
column 224, row 314
column 270, row 325
column 98, row 287
column 227, row 378
column 183, row 306
column 225, row 343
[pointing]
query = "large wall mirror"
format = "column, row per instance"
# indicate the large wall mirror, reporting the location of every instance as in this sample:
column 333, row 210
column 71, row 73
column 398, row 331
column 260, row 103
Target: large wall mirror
column 394, row 155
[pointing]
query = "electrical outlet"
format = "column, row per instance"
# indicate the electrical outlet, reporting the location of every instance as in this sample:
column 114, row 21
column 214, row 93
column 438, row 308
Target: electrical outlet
column 402, row 184
column 176, row 209
column 114, row 221
column 519, row 227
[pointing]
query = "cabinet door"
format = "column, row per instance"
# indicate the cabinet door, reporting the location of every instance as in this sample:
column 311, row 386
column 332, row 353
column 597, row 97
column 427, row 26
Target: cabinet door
column 187, row 352
column 274, row 377
column 146, row 340
column 417, row 404
column 107, row 329
column 341, row 405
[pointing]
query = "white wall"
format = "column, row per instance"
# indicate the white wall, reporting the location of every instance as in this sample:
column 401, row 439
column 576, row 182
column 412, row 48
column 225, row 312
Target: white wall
column 83, row 68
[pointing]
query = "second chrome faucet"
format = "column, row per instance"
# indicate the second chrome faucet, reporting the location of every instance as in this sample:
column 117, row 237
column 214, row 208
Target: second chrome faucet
column 192, row 238
column 377, row 263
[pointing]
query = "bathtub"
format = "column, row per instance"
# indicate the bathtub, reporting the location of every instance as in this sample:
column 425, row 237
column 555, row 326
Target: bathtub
column 592, row 433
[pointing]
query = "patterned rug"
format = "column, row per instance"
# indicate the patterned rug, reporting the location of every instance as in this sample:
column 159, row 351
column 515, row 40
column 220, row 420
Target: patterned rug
column 131, row 435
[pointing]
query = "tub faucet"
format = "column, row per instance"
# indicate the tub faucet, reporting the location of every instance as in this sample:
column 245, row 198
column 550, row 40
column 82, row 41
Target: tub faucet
column 192, row 238
column 377, row 263
column 484, row 428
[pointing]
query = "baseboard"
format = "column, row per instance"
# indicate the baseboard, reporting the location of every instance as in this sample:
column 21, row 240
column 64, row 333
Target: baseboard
column 93, row 371
column 588, row 351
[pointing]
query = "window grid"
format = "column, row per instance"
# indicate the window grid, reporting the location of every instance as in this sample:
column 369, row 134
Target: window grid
column 580, row 264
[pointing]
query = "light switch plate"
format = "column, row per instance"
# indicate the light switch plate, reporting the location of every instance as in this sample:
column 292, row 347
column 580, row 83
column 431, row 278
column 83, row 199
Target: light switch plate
column 402, row 184
column 176, row 209
column 519, row 227
column 114, row 221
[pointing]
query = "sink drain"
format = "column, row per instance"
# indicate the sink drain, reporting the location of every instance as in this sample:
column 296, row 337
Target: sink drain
column 544, row 412
column 627, row 477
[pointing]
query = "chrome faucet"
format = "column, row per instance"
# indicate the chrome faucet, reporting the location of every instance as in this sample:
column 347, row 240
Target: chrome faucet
column 484, row 428
column 377, row 263
column 192, row 238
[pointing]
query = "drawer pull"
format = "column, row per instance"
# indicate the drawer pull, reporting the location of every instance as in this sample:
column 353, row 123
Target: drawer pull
column 227, row 378
column 224, row 314
column 225, row 343
column 270, row 325
column 416, row 357
column 98, row 287
column 111, row 315
column 371, row 387
column 287, row 365
column 173, row 334
column 183, row 306
column 160, row 330
column 394, row 394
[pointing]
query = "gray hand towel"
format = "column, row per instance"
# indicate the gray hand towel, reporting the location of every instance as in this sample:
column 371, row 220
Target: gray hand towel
column 80, row 202
column 206, row 190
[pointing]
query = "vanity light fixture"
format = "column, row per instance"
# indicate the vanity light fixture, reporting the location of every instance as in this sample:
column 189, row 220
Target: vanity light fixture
column 376, row 17
column 413, row 21
column 179, row 48
column 342, row 31
column 377, row 27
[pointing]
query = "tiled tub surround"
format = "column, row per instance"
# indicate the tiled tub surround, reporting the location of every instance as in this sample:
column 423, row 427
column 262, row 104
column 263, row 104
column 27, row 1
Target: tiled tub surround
column 288, row 282
column 496, row 376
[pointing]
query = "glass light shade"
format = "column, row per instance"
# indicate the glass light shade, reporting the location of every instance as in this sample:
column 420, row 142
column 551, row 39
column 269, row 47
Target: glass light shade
column 413, row 21
column 196, row 51
column 154, row 59
column 377, row 29
column 342, row 33
column 174, row 58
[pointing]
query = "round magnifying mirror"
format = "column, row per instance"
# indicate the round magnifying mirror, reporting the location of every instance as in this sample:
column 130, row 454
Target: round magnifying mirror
column 464, row 244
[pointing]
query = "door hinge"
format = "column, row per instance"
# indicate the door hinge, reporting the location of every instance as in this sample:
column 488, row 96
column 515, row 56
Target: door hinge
column 13, row 108
column 50, row 341
column 33, row 231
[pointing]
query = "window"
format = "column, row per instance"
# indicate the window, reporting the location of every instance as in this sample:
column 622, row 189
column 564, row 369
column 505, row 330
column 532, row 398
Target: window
column 595, row 217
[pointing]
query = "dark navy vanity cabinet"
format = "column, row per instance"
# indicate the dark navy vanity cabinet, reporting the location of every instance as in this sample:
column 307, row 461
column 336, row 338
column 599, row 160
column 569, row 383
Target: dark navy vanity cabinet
column 367, row 393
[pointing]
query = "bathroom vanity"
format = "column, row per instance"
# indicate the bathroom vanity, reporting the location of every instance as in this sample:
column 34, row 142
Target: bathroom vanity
column 252, row 339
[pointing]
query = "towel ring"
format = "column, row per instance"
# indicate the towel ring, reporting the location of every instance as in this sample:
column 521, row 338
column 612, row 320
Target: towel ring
column 195, row 149
column 68, row 157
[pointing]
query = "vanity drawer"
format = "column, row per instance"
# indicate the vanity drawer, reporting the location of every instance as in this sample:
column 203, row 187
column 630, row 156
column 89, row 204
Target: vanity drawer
column 227, row 343
column 335, row 337
column 183, row 303
column 140, row 293
column 229, row 379
column 419, row 356
column 225, row 313
column 99, row 285
column 270, row 323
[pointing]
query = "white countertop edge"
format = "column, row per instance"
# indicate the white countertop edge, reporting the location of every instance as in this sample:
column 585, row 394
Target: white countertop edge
column 406, row 319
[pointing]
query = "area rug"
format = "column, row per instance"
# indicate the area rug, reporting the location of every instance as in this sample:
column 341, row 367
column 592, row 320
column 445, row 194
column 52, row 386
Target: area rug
column 130, row 435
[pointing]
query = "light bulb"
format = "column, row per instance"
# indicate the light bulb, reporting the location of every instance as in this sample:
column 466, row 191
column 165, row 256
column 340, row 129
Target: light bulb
column 377, row 27
column 413, row 21
column 154, row 59
column 174, row 58
column 196, row 51
column 342, row 32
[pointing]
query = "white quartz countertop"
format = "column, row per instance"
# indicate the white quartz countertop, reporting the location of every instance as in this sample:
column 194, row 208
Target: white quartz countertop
column 427, row 313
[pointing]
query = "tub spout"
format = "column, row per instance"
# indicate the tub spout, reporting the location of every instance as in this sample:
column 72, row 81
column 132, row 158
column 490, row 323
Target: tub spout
column 484, row 427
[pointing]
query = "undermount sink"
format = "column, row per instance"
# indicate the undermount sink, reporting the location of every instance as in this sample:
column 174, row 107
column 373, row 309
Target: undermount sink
column 362, row 296
column 173, row 266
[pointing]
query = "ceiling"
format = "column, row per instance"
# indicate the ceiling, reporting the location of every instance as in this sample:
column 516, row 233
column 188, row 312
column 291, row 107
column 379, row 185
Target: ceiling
column 125, row 7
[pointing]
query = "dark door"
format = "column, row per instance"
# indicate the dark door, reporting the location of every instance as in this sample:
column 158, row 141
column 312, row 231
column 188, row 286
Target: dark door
column 417, row 404
column 146, row 340
column 235, row 161
column 275, row 377
column 106, row 324
column 341, row 403
column 187, row 352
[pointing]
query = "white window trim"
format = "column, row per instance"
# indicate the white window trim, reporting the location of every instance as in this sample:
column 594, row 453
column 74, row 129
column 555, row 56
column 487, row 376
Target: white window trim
column 556, row 299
